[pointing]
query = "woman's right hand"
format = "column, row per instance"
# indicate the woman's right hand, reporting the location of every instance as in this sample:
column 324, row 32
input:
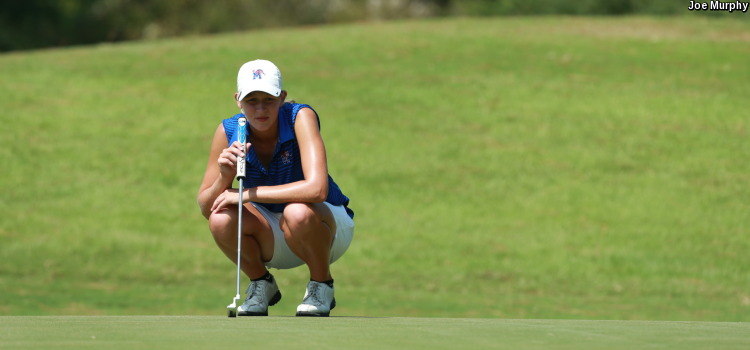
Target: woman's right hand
column 228, row 159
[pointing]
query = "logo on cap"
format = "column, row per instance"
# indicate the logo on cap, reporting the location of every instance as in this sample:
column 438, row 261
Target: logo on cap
column 258, row 74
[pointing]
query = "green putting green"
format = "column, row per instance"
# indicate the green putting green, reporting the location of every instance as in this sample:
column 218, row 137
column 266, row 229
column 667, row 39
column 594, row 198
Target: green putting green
column 180, row 332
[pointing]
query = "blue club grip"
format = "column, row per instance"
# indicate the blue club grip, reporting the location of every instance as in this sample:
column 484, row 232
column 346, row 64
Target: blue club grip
column 242, row 138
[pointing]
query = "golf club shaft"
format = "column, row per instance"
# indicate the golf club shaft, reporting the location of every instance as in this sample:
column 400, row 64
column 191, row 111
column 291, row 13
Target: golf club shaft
column 242, row 138
column 239, row 235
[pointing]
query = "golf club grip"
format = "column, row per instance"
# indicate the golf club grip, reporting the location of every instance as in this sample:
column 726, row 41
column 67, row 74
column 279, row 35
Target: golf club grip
column 242, row 138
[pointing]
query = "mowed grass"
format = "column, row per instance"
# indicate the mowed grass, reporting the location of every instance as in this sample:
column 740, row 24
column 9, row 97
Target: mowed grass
column 175, row 332
column 584, row 168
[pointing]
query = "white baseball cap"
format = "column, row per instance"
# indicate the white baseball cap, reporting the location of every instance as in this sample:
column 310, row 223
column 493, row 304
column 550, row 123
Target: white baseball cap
column 258, row 75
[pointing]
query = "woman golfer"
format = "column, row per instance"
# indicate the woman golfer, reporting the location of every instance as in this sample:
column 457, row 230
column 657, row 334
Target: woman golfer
column 293, row 211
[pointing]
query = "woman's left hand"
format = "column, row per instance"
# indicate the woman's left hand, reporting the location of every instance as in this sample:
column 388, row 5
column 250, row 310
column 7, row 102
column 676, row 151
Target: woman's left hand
column 225, row 199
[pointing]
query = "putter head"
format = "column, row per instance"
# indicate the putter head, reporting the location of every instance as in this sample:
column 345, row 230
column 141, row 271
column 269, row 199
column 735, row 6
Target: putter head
column 232, row 308
column 233, row 305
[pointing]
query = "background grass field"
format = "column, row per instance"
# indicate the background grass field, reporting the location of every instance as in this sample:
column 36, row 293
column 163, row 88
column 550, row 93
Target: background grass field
column 509, row 167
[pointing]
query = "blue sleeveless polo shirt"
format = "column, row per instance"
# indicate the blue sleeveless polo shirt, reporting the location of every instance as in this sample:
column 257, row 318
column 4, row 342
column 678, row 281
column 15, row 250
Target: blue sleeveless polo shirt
column 286, row 165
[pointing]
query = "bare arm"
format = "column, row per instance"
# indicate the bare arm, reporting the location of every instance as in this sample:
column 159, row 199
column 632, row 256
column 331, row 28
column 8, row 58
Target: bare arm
column 314, row 188
column 219, row 171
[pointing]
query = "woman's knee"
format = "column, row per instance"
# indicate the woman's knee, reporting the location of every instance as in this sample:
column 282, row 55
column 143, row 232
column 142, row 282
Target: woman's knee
column 298, row 215
column 221, row 224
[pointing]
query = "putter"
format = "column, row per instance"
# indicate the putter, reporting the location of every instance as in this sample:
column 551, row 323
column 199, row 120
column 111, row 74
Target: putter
column 242, row 138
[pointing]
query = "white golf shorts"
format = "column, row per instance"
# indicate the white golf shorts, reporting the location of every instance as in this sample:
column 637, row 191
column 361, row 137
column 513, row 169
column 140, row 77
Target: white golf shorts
column 284, row 258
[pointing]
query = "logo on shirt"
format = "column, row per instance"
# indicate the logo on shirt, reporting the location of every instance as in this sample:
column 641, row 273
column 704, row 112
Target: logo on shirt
column 258, row 74
column 286, row 157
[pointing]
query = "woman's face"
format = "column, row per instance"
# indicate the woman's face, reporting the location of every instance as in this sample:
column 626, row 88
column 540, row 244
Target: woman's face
column 261, row 109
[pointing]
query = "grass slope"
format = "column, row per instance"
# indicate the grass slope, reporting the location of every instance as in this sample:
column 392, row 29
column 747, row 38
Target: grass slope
column 499, row 167
column 171, row 332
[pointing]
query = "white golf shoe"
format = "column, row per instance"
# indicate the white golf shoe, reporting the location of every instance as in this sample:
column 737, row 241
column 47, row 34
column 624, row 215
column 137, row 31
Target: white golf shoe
column 260, row 295
column 318, row 300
